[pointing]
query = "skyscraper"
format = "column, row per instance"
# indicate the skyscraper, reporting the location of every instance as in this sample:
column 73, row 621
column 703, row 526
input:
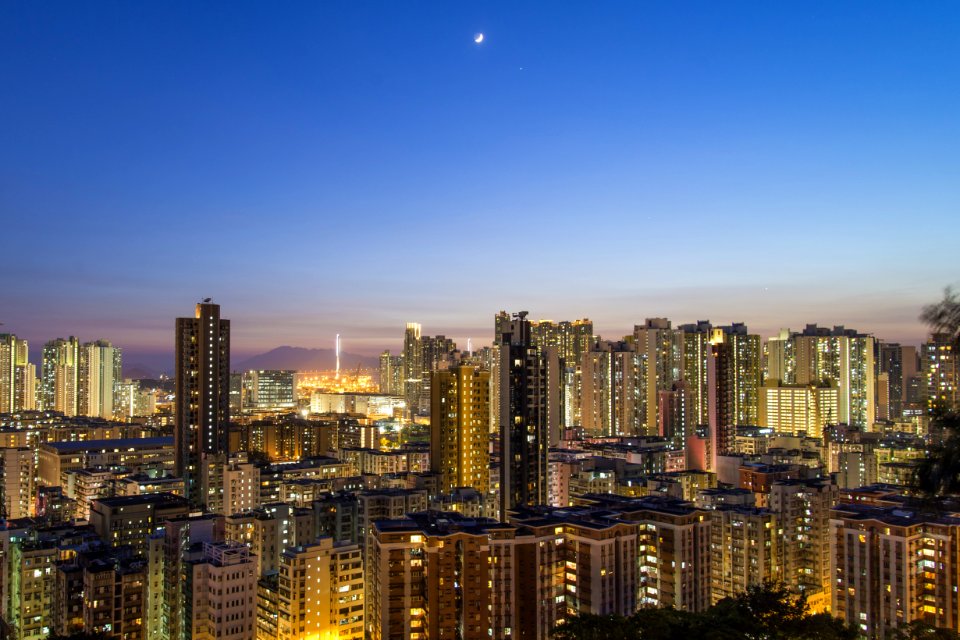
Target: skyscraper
column 459, row 431
column 202, row 394
column 890, row 362
column 412, row 365
column 696, row 354
column 938, row 364
column 16, row 375
column 60, row 376
column 844, row 357
column 421, row 356
column 609, row 390
column 660, row 350
column 391, row 374
column 529, row 398
column 99, row 370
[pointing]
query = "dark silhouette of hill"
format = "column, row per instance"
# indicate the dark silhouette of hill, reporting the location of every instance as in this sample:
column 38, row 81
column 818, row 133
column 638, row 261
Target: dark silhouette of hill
column 301, row 359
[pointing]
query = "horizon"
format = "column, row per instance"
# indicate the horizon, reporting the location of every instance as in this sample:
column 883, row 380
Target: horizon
column 371, row 347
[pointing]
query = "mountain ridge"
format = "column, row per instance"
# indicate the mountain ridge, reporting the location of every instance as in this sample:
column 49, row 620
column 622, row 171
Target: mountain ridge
column 305, row 359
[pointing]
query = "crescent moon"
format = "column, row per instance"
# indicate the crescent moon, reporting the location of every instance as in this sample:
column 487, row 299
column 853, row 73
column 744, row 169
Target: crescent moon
column 478, row 38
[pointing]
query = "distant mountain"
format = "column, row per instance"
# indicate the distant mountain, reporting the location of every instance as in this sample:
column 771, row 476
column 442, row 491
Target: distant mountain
column 146, row 364
column 137, row 371
column 300, row 359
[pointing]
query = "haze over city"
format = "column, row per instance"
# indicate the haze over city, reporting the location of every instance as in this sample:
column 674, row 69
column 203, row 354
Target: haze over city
column 346, row 168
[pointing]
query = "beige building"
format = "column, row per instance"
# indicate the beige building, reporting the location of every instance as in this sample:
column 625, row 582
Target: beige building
column 459, row 427
column 892, row 567
column 130, row 520
column 803, row 513
column 59, row 376
column 321, row 592
column 844, row 358
column 940, row 371
column 744, row 550
column 673, row 547
column 660, row 350
column 269, row 530
column 17, row 483
column 437, row 576
column 136, row 454
column 798, row 409
column 17, row 375
column 99, row 370
column 221, row 591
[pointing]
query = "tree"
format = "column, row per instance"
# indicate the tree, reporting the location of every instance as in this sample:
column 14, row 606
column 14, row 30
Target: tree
column 764, row 612
column 917, row 630
column 772, row 612
column 938, row 474
column 944, row 316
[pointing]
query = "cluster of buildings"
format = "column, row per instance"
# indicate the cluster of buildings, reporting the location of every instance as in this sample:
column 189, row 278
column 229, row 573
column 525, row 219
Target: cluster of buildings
column 489, row 493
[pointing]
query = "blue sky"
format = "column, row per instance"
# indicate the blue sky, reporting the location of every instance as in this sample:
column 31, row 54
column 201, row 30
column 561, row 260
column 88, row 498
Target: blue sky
column 347, row 167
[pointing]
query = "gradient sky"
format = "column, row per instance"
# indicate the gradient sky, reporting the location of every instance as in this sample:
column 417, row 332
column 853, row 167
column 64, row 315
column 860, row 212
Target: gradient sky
column 346, row 167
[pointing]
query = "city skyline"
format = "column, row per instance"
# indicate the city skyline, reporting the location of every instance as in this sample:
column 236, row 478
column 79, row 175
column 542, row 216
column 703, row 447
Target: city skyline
column 161, row 347
column 347, row 169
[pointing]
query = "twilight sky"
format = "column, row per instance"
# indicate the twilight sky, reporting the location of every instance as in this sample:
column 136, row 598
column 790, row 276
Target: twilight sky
column 346, row 167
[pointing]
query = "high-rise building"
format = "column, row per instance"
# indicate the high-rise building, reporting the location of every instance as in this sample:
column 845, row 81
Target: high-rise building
column 910, row 363
column 421, row 356
column 269, row 390
column 321, row 592
column 780, row 358
column 733, row 374
column 845, row 358
column 739, row 368
column 744, row 549
column 220, row 591
column 609, row 390
column 459, row 431
column 673, row 545
column 803, row 513
column 674, row 413
column 114, row 590
column 571, row 341
column 60, row 376
column 529, row 392
column 17, row 375
column 433, row 577
column 890, row 362
column 391, row 374
column 17, row 483
column 893, row 567
column 941, row 373
column 99, row 371
column 696, row 357
column 202, row 394
column 798, row 409
column 660, row 352
column 129, row 400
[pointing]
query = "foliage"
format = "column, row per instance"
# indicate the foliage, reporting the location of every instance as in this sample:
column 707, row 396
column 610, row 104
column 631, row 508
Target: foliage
column 258, row 457
column 944, row 316
column 764, row 612
column 938, row 474
column 921, row 631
